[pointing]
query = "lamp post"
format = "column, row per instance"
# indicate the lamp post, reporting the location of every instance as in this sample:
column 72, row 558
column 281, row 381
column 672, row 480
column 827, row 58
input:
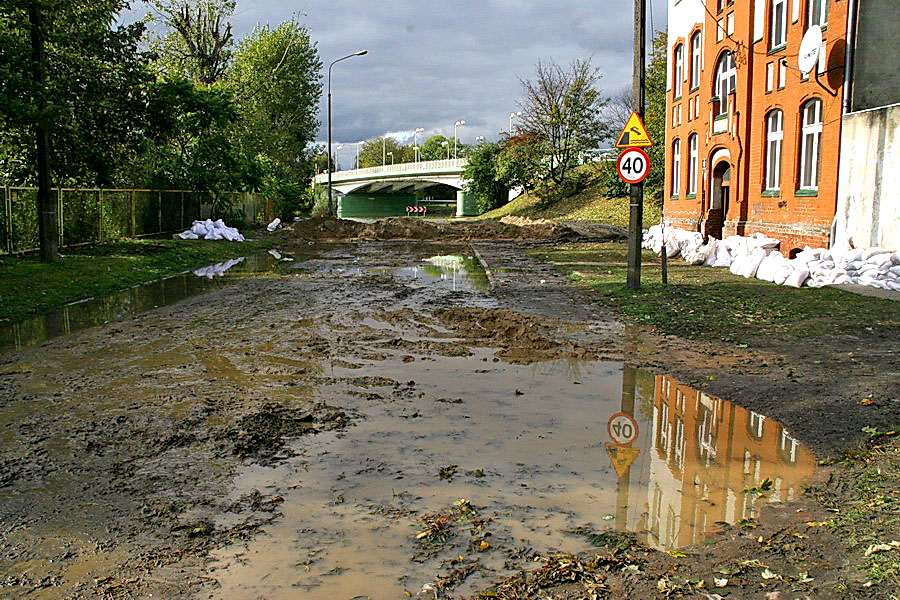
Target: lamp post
column 455, row 125
column 357, row 53
column 511, row 116
column 415, row 154
column 416, row 140
column 391, row 154
column 446, row 144
column 479, row 139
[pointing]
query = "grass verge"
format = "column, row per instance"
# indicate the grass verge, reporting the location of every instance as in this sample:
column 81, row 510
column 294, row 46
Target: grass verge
column 713, row 304
column 29, row 287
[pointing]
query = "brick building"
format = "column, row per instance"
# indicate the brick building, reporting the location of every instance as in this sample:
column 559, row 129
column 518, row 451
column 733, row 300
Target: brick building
column 752, row 142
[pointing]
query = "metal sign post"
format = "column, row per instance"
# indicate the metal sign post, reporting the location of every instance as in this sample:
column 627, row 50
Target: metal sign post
column 636, row 202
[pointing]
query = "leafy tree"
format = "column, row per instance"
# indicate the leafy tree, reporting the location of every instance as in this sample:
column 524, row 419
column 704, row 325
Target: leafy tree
column 374, row 152
column 520, row 161
column 199, row 43
column 275, row 81
column 562, row 109
column 434, row 148
column 655, row 118
column 482, row 178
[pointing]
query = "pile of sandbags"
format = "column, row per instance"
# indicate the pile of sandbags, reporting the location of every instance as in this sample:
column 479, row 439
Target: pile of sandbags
column 218, row 269
column 211, row 230
column 756, row 256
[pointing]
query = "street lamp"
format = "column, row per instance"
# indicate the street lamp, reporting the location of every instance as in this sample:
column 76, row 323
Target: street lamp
column 446, row 144
column 416, row 140
column 455, row 125
column 357, row 53
column 479, row 139
column 391, row 154
column 415, row 154
column 511, row 116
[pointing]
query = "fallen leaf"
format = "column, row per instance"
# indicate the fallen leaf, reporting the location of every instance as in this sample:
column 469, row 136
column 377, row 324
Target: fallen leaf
column 768, row 574
column 720, row 582
column 881, row 548
column 817, row 523
column 483, row 546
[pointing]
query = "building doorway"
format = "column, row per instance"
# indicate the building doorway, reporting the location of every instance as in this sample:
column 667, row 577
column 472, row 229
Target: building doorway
column 718, row 199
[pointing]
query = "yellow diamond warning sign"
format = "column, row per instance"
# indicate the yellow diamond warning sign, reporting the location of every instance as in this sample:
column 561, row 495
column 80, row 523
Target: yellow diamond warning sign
column 621, row 457
column 635, row 134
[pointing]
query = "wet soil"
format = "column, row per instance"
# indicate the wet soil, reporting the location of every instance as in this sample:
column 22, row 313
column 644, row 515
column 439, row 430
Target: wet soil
column 260, row 424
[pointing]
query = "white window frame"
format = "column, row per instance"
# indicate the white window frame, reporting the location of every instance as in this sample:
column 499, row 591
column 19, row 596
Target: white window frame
column 693, row 163
column 774, row 142
column 726, row 80
column 817, row 13
column 676, row 167
column 678, row 80
column 811, row 144
column 696, row 50
column 778, row 24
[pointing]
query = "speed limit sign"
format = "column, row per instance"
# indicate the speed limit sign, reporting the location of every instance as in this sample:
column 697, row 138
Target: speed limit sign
column 633, row 165
column 622, row 428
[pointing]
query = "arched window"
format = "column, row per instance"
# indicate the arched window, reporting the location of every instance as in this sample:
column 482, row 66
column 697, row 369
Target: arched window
column 726, row 81
column 678, row 74
column 692, row 164
column 811, row 144
column 676, row 167
column 695, row 61
column 774, row 137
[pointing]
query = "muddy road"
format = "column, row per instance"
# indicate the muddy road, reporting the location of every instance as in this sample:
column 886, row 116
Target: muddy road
column 379, row 419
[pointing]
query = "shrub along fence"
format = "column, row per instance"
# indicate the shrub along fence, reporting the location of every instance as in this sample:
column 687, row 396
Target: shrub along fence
column 87, row 216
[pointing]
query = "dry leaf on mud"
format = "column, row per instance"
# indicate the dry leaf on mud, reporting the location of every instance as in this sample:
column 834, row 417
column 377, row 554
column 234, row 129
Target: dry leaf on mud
column 720, row 582
column 874, row 548
column 769, row 574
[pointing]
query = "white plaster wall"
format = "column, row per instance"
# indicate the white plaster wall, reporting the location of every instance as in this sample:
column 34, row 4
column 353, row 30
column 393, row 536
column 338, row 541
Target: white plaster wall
column 868, row 202
column 683, row 15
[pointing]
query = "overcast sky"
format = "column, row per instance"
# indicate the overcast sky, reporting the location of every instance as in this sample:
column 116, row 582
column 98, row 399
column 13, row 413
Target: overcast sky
column 431, row 63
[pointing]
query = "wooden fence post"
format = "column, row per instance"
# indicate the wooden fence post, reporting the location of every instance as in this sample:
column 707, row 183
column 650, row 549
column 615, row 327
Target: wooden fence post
column 100, row 215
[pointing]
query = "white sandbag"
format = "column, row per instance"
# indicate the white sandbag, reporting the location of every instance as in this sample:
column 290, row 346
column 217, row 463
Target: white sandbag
column 893, row 285
column 769, row 266
column 273, row 225
column 737, row 263
column 880, row 260
column 219, row 224
column 895, row 270
column 808, row 254
column 895, row 258
column 198, row 228
column 868, row 253
column 672, row 248
column 723, row 256
column 213, row 234
column 711, row 251
column 782, row 272
column 186, row 235
column 797, row 278
column 751, row 264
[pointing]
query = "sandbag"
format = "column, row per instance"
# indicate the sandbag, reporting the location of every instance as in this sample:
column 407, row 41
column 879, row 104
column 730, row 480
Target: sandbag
column 797, row 278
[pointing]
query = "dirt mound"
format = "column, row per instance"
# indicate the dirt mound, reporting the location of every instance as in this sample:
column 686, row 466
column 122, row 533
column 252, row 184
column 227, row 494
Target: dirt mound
column 414, row 228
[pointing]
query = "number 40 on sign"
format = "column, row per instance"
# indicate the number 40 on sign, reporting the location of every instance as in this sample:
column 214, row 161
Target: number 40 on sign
column 633, row 165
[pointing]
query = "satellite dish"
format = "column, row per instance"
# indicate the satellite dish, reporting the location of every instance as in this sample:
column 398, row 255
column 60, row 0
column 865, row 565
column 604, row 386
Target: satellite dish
column 809, row 49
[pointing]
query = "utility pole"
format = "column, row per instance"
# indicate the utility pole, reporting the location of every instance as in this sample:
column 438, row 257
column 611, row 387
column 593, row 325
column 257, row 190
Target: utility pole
column 46, row 209
column 636, row 203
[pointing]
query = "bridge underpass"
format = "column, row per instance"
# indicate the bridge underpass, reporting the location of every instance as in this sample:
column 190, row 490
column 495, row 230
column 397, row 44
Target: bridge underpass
column 387, row 191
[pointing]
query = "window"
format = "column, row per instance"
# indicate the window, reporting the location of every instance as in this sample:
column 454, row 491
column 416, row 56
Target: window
column 778, row 24
column 676, row 167
column 726, row 81
column 679, row 70
column 774, row 137
column 817, row 13
column 810, row 145
column 692, row 165
column 695, row 61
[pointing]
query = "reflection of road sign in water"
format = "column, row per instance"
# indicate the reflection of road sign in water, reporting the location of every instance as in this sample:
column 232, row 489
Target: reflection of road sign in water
column 622, row 429
column 634, row 134
column 633, row 165
column 621, row 457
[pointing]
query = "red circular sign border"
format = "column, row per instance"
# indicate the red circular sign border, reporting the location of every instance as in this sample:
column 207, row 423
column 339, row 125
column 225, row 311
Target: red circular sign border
column 619, row 165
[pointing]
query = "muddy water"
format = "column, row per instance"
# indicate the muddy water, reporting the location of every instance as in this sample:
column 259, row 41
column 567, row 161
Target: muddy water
column 116, row 307
column 532, row 449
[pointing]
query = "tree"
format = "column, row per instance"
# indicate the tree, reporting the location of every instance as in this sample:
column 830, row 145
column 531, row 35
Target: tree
column 655, row 117
column 276, row 83
column 562, row 109
column 199, row 44
column 482, row 178
column 520, row 160
column 374, row 152
column 71, row 92
column 435, row 148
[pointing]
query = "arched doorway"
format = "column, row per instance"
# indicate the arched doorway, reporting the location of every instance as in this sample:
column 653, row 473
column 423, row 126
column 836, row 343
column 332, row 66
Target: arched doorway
column 719, row 196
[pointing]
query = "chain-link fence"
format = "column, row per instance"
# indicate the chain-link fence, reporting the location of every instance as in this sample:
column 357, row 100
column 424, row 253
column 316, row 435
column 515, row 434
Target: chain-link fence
column 97, row 215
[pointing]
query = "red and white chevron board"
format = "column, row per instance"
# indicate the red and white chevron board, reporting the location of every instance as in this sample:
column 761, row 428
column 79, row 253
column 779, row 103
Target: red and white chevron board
column 421, row 210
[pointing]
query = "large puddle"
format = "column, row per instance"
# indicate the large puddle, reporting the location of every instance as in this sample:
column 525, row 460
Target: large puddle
column 496, row 463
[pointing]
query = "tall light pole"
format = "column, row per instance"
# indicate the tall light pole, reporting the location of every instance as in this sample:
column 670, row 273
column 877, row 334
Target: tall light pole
column 391, row 154
column 357, row 53
column 455, row 125
column 479, row 139
column 416, row 140
column 415, row 154
column 513, row 115
column 358, row 144
column 446, row 144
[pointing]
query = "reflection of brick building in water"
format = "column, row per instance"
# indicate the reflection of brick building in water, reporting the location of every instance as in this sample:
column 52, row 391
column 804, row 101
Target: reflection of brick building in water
column 705, row 451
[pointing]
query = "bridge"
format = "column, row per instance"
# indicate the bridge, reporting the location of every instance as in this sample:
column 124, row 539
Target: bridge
column 388, row 190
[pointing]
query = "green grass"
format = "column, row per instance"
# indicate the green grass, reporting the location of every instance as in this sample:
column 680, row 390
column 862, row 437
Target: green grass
column 29, row 287
column 711, row 303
